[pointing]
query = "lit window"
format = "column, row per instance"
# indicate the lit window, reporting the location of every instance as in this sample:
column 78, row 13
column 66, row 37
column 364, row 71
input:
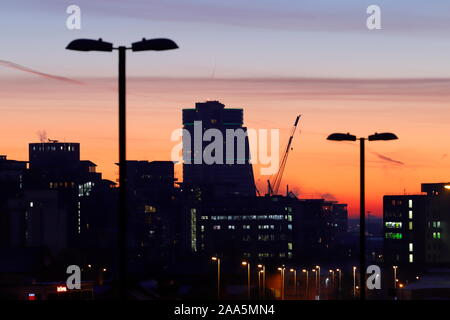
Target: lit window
column 393, row 225
column 410, row 214
column 438, row 234
column 394, row 236
column 410, row 247
column 410, row 203
column 411, row 258
column 289, row 245
column 438, row 224
column 31, row 204
column 217, row 227
column 149, row 209
column 410, row 225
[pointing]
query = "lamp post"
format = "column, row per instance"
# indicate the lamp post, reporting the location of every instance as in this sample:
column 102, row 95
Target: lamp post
column 362, row 218
column 340, row 277
column 295, row 280
column 282, row 269
column 245, row 263
column 263, row 272
column 395, row 276
column 307, row 281
column 354, row 281
column 217, row 259
column 159, row 44
column 318, row 282
column 332, row 278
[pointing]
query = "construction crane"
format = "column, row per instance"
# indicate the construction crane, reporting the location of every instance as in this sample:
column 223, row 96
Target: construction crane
column 275, row 185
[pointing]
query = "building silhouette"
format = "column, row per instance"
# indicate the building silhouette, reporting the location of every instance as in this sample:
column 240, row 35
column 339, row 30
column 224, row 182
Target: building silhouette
column 416, row 227
column 232, row 173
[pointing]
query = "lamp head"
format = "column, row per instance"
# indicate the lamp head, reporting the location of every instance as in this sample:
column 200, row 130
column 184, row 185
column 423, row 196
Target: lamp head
column 341, row 137
column 158, row 44
column 90, row 45
column 382, row 136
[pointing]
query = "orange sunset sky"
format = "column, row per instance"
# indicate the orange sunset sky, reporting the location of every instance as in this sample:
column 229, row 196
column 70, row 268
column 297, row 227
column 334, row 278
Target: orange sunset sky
column 273, row 58
column 417, row 111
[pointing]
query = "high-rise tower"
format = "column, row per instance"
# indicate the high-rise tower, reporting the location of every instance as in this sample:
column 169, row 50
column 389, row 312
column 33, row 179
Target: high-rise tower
column 215, row 132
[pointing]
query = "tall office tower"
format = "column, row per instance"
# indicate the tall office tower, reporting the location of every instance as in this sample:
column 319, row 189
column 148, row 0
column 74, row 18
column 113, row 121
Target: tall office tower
column 216, row 150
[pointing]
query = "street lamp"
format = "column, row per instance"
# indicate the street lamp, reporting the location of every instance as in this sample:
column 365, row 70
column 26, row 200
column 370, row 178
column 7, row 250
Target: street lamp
column 263, row 272
column 159, row 44
column 362, row 218
column 332, row 277
column 218, row 275
column 395, row 276
column 295, row 280
column 340, row 277
column 354, row 281
column 307, row 281
column 315, row 272
column 245, row 263
column 318, row 286
column 282, row 269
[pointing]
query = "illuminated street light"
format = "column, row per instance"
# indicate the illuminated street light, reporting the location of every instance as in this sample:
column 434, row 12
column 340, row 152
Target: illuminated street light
column 307, row 282
column 295, row 280
column 245, row 263
column 282, row 269
column 263, row 272
column 362, row 217
column 340, row 277
column 354, row 281
column 395, row 276
column 218, row 275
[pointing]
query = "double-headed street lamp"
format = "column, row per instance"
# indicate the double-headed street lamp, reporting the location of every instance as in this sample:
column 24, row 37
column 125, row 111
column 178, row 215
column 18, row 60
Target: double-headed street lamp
column 159, row 44
column 362, row 219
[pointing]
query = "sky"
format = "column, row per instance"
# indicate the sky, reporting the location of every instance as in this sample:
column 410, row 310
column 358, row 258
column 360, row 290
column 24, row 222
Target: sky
column 275, row 59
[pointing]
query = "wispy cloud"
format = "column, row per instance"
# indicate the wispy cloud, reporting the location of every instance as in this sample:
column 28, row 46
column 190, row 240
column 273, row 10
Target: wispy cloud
column 16, row 66
column 385, row 158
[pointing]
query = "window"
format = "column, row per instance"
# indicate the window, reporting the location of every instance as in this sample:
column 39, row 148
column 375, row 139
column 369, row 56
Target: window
column 410, row 247
column 410, row 214
column 231, row 227
column 217, row 227
column 246, row 226
column 149, row 209
column 411, row 258
column 393, row 235
column 289, row 245
column 410, row 225
column 410, row 203
column 393, row 225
